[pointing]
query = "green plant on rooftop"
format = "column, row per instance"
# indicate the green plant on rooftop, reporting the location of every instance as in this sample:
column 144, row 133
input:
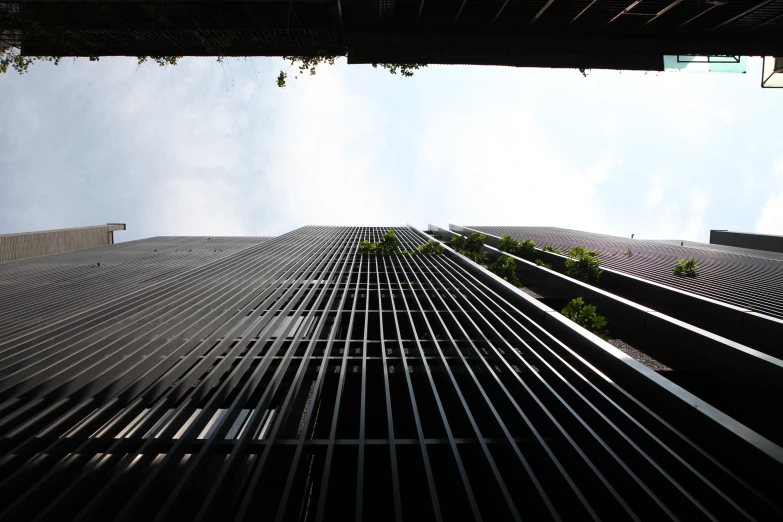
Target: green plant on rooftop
column 585, row 315
column 550, row 248
column 365, row 247
column 506, row 268
column 471, row 246
column 388, row 245
column 525, row 249
column 686, row 268
column 541, row 263
column 583, row 264
column 431, row 248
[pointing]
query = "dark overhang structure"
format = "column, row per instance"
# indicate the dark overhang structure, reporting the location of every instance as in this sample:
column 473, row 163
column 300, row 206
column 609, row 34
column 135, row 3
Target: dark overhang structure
column 292, row 378
column 745, row 240
column 615, row 34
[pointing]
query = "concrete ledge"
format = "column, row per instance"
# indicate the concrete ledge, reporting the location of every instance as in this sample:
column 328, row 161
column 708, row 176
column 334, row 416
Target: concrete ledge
column 763, row 332
column 756, row 330
column 441, row 231
column 706, row 350
column 698, row 347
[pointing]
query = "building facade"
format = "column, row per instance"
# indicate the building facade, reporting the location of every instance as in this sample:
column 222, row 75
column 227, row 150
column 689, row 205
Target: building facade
column 47, row 242
column 293, row 378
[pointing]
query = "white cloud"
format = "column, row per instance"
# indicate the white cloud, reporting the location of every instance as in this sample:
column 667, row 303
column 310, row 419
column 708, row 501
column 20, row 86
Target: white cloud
column 694, row 228
column 771, row 219
column 659, row 181
column 189, row 150
column 193, row 206
column 497, row 165
column 679, row 216
column 323, row 161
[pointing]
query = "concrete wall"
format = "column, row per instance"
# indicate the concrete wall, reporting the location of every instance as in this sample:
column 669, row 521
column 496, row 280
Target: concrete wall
column 746, row 240
column 46, row 242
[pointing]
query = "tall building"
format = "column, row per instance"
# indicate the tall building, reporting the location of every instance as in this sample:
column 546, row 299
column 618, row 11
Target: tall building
column 613, row 34
column 294, row 378
column 46, row 242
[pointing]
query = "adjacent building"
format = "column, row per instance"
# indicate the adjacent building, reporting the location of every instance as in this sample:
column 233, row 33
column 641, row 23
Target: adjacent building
column 292, row 378
column 47, row 242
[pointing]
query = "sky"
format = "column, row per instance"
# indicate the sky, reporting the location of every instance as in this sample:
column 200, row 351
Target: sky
column 204, row 148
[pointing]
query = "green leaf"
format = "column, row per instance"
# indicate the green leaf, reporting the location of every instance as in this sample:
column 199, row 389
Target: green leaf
column 585, row 315
column 687, row 268
column 525, row 249
column 583, row 264
column 431, row 248
column 506, row 268
column 539, row 262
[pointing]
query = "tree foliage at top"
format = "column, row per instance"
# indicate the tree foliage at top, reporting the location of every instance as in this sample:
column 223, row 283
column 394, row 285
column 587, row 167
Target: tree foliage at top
column 406, row 69
column 11, row 58
column 309, row 63
column 306, row 63
column 163, row 61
